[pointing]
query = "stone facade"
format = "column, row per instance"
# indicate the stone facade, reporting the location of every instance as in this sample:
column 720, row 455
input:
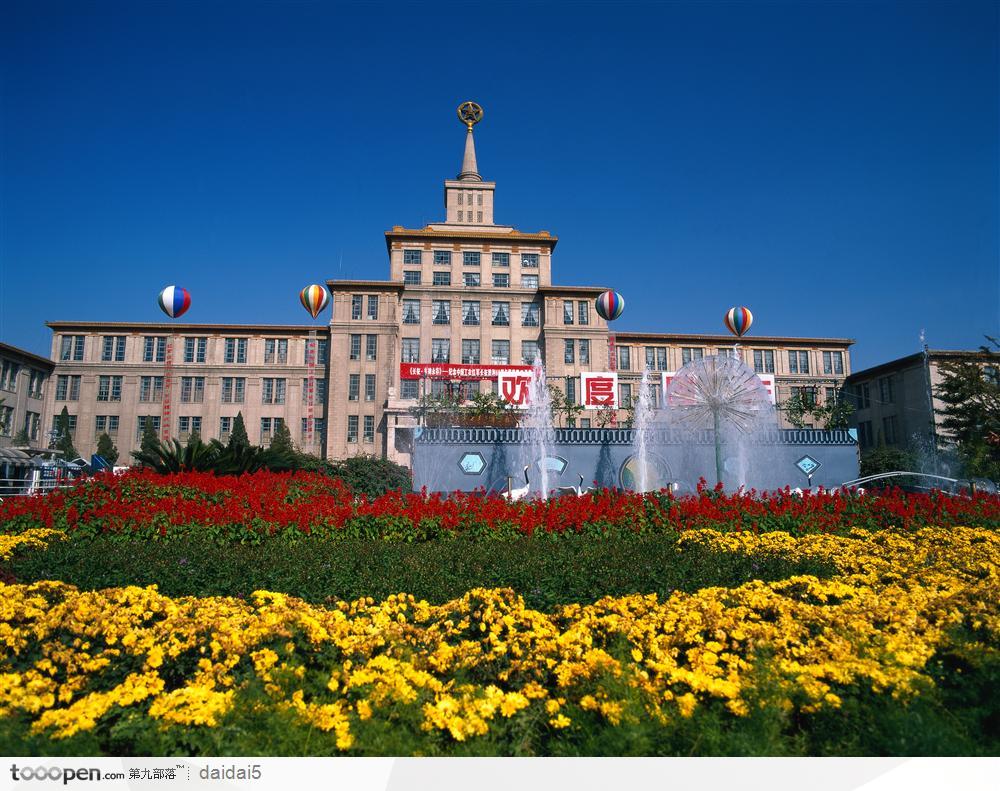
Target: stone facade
column 24, row 380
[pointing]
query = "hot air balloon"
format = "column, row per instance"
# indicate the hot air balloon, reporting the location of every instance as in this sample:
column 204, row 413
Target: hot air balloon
column 314, row 299
column 174, row 301
column 738, row 321
column 610, row 305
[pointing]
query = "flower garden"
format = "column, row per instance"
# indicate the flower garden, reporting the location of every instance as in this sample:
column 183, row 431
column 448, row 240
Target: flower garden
column 282, row 614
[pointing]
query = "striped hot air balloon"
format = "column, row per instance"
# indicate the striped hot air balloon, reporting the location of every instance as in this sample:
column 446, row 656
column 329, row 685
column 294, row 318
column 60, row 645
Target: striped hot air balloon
column 174, row 301
column 738, row 321
column 314, row 299
column 610, row 305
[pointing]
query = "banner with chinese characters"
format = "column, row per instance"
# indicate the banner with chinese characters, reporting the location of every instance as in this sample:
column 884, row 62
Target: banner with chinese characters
column 457, row 371
column 514, row 387
column 600, row 390
column 765, row 379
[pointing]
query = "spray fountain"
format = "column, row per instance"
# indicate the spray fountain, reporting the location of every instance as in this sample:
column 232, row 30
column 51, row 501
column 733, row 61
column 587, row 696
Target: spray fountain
column 538, row 428
column 645, row 412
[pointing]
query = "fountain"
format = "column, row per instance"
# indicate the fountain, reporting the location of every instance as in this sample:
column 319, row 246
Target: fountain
column 645, row 413
column 537, row 427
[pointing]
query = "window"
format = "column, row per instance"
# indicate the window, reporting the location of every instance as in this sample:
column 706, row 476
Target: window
column 470, row 259
column 6, row 420
column 188, row 425
column 355, row 347
column 414, row 257
column 150, row 388
column 192, row 389
column 806, row 395
column 154, row 349
column 71, row 348
column 625, row 395
column 529, row 314
column 194, row 350
column 236, row 350
column 862, row 393
column 233, row 389
column 656, row 358
column 409, row 388
column 585, row 422
column 568, row 355
column 885, row 393
column 356, row 302
column 68, row 387
column 584, row 352
column 33, row 420
column 353, row 387
column 8, row 376
column 889, row 429
column 369, row 435
column 225, row 427
column 833, row 362
column 352, row 428
column 831, row 396
column 106, row 424
column 442, row 278
column 501, row 314
column 322, row 350
column 442, row 258
column 530, row 351
column 411, row 278
column 272, row 391
column 140, row 425
column 109, row 388
column 440, row 350
column 35, row 383
column 410, row 350
column 529, row 281
column 570, row 389
column 529, row 260
column 268, row 425
column 689, row 353
column 372, row 307
column 584, row 312
column 369, row 387
column 865, row 437
column 763, row 361
column 441, row 311
column 500, row 353
column 319, row 428
column 470, row 314
column 411, row 311
column 501, row 280
column 624, row 358
column 471, row 279
column 501, row 259
column 798, row 362
column 470, row 352
column 319, row 391
column 113, row 349
column 567, row 312
column 275, row 350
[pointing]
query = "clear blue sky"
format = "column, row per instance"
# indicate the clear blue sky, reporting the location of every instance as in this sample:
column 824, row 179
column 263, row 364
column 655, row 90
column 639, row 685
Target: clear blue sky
column 833, row 166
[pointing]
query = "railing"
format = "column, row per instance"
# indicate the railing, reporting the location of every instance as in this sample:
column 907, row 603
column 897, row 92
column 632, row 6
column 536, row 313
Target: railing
column 19, row 487
column 950, row 485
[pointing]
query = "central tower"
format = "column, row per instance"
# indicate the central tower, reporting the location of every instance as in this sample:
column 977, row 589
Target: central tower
column 468, row 200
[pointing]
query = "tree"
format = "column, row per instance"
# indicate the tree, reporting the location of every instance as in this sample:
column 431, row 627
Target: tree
column 238, row 436
column 886, row 459
column 64, row 440
column 970, row 390
column 106, row 449
column 149, row 441
column 372, row 475
column 833, row 414
column 21, row 439
column 281, row 442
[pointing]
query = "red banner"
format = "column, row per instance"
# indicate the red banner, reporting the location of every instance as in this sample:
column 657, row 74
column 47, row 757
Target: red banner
column 456, row 371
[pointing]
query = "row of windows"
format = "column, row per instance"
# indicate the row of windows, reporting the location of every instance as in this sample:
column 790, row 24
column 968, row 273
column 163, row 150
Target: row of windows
column 763, row 359
column 469, row 279
column 190, row 424
column 192, row 389
column 889, row 434
column 469, row 258
column 471, row 313
column 154, row 349
column 31, row 425
column 9, row 371
column 499, row 351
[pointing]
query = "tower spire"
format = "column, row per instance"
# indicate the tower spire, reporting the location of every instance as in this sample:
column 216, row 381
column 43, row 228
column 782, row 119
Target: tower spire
column 470, row 114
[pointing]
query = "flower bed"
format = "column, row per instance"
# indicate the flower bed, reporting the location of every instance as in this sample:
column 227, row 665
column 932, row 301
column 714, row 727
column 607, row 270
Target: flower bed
column 908, row 619
column 295, row 505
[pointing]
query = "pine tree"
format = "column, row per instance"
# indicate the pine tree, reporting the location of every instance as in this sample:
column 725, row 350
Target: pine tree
column 106, row 449
column 238, row 436
column 281, row 442
column 64, row 441
column 149, row 439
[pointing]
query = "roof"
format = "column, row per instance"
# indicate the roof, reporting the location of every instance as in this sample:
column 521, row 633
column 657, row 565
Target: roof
column 729, row 340
column 573, row 289
column 6, row 348
column 399, row 232
column 165, row 326
column 913, row 360
column 392, row 285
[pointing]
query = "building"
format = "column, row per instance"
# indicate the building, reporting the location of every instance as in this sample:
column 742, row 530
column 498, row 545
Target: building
column 895, row 402
column 467, row 302
column 23, row 383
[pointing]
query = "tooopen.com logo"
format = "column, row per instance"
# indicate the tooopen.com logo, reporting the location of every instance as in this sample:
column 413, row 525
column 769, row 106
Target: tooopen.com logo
column 56, row 773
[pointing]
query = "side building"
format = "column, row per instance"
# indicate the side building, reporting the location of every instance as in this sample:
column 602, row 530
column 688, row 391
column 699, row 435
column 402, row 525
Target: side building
column 23, row 385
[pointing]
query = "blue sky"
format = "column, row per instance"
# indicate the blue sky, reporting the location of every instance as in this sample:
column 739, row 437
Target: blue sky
column 832, row 166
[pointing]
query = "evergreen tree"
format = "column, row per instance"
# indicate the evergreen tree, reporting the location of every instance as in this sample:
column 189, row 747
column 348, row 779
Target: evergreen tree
column 106, row 449
column 281, row 442
column 64, row 441
column 238, row 436
column 970, row 390
column 149, row 440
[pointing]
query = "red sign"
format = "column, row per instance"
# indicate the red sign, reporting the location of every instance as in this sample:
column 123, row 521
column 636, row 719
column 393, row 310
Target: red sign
column 515, row 388
column 600, row 390
column 457, row 371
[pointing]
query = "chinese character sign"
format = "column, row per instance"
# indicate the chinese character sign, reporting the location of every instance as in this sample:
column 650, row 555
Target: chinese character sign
column 515, row 387
column 600, row 390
